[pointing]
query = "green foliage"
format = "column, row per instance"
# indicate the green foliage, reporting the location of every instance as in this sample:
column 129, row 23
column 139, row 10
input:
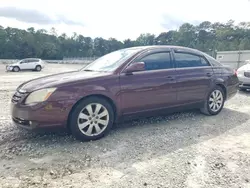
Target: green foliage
column 208, row 37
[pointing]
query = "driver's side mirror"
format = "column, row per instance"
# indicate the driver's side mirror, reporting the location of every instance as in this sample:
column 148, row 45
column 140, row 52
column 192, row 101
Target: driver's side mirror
column 135, row 67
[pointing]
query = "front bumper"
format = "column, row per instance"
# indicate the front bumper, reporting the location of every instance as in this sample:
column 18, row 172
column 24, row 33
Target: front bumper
column 39, row 116
column 25, row 124
column 9, row 68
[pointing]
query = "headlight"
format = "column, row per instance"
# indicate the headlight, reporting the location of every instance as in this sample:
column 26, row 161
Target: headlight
column 39, row 95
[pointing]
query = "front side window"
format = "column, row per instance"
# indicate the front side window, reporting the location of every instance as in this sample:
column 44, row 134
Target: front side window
column 157, row 61
column 24, row 61
column 184, row 60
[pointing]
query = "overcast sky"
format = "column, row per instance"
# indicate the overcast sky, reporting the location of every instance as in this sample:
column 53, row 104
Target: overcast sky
column 120, row 19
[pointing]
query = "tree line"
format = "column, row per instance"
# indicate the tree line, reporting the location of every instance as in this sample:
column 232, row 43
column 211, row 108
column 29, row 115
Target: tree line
column 208, row 37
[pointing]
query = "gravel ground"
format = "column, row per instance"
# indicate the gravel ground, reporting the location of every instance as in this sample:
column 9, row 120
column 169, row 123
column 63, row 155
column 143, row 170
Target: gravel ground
column 179, row 150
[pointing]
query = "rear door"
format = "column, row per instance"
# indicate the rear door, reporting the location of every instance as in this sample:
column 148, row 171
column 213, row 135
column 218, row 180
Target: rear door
column 153, row 88
column 32, row 63
column 194, row 77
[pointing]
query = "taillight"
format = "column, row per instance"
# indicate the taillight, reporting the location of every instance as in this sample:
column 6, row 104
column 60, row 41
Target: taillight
column 235, row 72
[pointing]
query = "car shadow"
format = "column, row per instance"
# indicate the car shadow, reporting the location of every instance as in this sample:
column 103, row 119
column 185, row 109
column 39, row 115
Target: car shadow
column 129, row 141
column 245, row 93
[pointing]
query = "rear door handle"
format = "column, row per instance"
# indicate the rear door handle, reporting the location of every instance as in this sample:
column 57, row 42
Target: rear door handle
column 170, row 78
column 209, row 74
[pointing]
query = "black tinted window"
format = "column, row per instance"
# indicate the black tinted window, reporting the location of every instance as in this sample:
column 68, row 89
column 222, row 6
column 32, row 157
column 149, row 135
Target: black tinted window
column 189, row 60
column 157, row 61
column 32, row 60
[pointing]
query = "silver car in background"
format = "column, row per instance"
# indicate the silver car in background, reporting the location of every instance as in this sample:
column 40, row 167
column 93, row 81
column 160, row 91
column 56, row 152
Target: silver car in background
column 26, row 64
column 243, row 74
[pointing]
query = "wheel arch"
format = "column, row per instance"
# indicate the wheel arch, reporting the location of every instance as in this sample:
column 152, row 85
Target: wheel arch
column 17, row 67
column 108, row 99
column 223, row 87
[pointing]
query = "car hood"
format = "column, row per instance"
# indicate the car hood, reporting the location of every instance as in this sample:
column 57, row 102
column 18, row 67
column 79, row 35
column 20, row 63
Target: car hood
column 57, row 80
column 13, row 64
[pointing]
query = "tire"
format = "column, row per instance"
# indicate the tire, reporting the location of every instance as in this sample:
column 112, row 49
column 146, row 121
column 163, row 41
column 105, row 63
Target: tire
column 38, row 68
column 207, row 109
column 16, row 69
column 85, row 127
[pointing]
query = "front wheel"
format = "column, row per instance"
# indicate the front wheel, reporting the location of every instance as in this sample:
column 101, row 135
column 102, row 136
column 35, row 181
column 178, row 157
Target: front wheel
column 16, row 69
column 214, row 102
column 91, row 119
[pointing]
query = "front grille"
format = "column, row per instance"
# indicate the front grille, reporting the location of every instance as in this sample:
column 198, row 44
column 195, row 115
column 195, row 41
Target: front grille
column 17, row 96
column 247, row 74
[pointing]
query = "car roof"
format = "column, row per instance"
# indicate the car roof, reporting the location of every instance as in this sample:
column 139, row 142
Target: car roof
column 177, row 48
column 31, row 58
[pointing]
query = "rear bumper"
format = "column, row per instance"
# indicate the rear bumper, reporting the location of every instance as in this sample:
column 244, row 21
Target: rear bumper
column 232, row 90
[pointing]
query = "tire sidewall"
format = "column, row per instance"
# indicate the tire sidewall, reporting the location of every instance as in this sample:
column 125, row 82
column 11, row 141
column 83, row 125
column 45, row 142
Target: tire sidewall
column 38, row 68
column 73, row 125
column 14, row 69
column 207, row 102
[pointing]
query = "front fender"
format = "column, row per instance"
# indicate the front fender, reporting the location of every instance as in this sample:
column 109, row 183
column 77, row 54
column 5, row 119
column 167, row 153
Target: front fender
column 69, row 96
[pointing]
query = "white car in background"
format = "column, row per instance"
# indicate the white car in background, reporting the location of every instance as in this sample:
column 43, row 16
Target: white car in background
column 26, row 64
column 243, row 74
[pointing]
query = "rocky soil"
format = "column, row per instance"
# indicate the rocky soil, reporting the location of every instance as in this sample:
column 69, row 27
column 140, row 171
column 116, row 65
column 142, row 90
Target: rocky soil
column 177, row 150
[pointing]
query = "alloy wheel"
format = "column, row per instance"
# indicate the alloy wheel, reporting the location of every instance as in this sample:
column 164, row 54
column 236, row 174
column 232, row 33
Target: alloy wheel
column 216, row 100
column 93, row 119
column 16, row 69
column 38, row 68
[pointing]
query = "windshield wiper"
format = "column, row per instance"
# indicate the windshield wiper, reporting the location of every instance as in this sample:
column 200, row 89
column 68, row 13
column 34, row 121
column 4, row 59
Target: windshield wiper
column 89, row 70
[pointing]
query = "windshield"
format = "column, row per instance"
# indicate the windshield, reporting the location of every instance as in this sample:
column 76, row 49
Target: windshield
column 111, row 61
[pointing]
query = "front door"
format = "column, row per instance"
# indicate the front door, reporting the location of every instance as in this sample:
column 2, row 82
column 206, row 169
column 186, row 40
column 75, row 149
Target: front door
column 24, row 64
column 151, row 89
column 193, row 77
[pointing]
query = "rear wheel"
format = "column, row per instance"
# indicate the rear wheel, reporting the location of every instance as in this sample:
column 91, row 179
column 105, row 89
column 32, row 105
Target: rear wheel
column 16, row 69
column 38, row 68
column 214, row 102
column 91, row 119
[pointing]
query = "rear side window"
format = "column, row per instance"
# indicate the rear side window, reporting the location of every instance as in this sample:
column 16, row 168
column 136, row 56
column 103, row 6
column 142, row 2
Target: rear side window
column 213, row 61
column 189, row 60
column 157, row 61
column 33, row 60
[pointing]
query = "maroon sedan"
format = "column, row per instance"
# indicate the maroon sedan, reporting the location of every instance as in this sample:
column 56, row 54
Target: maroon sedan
column 126, row 83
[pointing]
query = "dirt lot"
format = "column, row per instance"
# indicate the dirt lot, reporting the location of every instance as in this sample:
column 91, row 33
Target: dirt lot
column 178, row 150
